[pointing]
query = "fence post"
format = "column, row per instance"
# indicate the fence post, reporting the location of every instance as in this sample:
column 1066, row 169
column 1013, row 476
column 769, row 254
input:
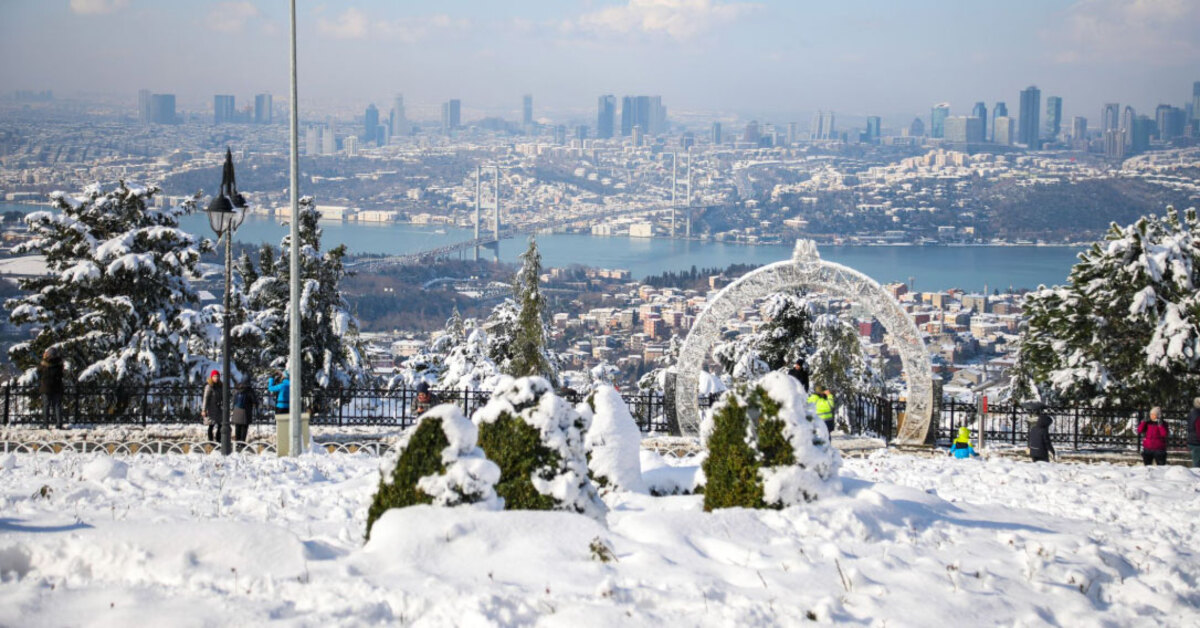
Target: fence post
column 1076, row 427
column 7, row 402
column 145, row 403
column 1013, row 431
column 77, row 405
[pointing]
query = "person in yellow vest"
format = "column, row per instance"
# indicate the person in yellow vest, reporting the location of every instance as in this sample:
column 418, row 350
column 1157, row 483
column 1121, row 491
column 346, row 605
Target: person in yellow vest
column 824, row 404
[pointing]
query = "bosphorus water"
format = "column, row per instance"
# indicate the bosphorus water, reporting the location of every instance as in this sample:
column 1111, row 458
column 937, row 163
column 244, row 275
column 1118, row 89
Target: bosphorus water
column 932, row 268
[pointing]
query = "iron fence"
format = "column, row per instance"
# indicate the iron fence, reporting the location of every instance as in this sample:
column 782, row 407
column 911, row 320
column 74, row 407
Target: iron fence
column 1071, row 427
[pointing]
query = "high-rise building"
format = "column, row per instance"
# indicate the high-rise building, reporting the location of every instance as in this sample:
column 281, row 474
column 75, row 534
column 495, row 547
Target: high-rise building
column 1196, row 100
column 451, row 115
column 980, row 111
column 1143, row 128
column 312, row 141
column 751, row 135
column 937, row 119
column 644, row 111
column 1127, row 119
column 144, row 101
column 873, row 128
column 716, row 133
column 351, row 145
column 162, row 108
column 917, row 128
column 822, row 127
column 329, row 137
column 396, row 118
column 1029, row 128
column 1002, row 130
column 1079, row 131
column 999, row 111
column 1114, row 144
column 1053, row 117
column 964, row 129
column 370, row 123
column 1171, row 122
column 223, row 108
column 606, row 114
column 1110, row 117
column 792, row 133
column 263, row 109
column 527, row 111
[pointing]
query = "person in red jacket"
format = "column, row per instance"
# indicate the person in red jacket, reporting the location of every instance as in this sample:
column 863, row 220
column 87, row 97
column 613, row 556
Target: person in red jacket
column 1154, row 445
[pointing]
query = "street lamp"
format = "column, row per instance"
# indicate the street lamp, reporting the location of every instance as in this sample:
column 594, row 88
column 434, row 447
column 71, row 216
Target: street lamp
column 225, row 215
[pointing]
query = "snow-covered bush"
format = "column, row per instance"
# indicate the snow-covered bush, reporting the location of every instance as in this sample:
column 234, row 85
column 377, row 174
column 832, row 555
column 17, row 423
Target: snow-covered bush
column 536, row 438
column 613, row 442
column 766, row 448
column 439, row 463
column 467, row 365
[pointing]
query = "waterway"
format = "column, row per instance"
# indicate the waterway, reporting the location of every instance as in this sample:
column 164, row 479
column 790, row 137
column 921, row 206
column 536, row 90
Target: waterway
column 971, row 268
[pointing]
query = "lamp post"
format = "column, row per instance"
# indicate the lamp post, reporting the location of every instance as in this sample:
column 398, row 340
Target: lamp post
column 225, row 215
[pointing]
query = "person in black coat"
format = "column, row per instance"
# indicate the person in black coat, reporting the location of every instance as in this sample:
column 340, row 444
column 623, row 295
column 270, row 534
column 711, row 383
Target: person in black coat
column 799, row 372
column 245, row 403
column 1040, row 446
column 50, row 385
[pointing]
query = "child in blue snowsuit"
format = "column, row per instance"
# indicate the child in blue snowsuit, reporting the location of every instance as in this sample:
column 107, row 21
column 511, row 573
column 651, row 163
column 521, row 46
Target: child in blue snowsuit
column 961, row 447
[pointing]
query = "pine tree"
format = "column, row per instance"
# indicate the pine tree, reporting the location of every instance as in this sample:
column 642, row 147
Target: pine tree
column 332, row 352
column 501, row 326
column 1125, row 330
column 530, row 353
column 117, row 303
column 839, row 362
column 788, row 333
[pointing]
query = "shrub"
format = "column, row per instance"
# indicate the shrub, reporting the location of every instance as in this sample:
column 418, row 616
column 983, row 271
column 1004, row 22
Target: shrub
column 613, row 442
column 440, row 464
column 766, row 449
column 536, row 438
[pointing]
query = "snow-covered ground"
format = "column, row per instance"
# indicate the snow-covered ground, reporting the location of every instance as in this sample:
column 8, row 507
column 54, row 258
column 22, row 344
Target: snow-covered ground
column 87, row 539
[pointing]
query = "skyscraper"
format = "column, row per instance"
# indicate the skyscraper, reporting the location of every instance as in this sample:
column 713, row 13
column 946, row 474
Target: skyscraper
column 644, row 111
column 1029, row 128
column 1053, row 117
column 527, row 111
column 964, row 129
column 606, row 113
column 370, row 123
column 451, row 115
column 144, row 101
column 873, row 127
column 1196, row 100
column 1002, row 131
column 980, row 111
column 1171, row 121
column 937, row 119
column 223, row 108
column 312, row 141
column 716, row 133
column 263, row 109
column 752, row 135
column 397, row 119
column 329, row 137
column 1127, row 119
column 822, row 126
column 1079, row 131
column 917, row 128
column 999, row 111
column 1110, row 117
column 162, row 108
column 1140, row 137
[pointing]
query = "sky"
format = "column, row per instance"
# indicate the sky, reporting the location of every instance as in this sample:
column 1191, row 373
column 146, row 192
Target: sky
column 772, row 59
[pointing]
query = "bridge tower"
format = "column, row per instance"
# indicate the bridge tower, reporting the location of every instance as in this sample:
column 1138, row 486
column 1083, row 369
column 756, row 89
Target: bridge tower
column 688, row 205
column 674, row 181
column 496, row 232
column 478, row 193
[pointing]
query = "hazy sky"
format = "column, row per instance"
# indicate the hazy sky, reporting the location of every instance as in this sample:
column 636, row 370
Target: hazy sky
column 781, row 57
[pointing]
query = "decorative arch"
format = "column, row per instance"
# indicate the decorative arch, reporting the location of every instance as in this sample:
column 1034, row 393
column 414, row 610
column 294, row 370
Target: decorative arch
column 807, row 270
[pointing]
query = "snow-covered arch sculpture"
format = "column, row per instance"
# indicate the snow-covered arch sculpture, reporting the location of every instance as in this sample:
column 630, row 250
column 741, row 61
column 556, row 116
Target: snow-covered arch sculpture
column 807, row 270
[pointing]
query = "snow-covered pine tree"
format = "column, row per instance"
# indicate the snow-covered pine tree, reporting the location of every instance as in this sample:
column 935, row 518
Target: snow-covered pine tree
column 117, row 303
column 467, row 365
column 531, row 354
column 501, row 326
column 1125, row 330
column 788, row 333
column 839, row 362
column 333, row 355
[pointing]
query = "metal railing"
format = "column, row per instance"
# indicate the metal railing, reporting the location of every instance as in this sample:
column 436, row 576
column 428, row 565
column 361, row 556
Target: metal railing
column 173, row 405
column 1072, row 427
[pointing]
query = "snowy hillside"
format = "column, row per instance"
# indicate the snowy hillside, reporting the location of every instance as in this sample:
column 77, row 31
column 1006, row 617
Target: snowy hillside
column 179, row 541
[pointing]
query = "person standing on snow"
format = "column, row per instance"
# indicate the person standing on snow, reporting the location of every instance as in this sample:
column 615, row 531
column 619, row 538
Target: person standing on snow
column 212, row 407
column 1040, row 446
column 1154, row 445
column 824, row 405
column 1193, row 432
column 799, row 372
column 245, row 402
column 284, row 390
column 961, row 447
column 50, row 385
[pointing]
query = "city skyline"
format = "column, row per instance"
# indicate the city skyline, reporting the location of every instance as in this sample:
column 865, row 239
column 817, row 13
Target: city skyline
column 762, row 60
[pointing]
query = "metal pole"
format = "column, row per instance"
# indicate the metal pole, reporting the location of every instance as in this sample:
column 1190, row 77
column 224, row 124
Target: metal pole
column 294, row 375
column 226, row 445
column 674, row 181
column 478, row 189
column 497, row 213
column 688, row 204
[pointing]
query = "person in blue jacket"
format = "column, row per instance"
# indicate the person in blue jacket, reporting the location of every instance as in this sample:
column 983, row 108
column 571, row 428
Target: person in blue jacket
column 961, row 447
column 284, row 388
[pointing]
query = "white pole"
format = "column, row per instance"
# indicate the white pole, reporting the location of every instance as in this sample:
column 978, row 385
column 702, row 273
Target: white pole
column 674, row 180
column 294, row 361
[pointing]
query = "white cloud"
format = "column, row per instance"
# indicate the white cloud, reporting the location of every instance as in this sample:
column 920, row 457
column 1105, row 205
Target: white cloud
column 415, row 29
column 97, row 7
column 1131, row 31
column 677, row 19
column 351, row 24
column 231, row 17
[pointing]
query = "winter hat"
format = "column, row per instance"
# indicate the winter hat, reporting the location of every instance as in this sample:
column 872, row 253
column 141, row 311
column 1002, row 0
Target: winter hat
column 964, row 435
column 423, row 387
column 215, row 373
